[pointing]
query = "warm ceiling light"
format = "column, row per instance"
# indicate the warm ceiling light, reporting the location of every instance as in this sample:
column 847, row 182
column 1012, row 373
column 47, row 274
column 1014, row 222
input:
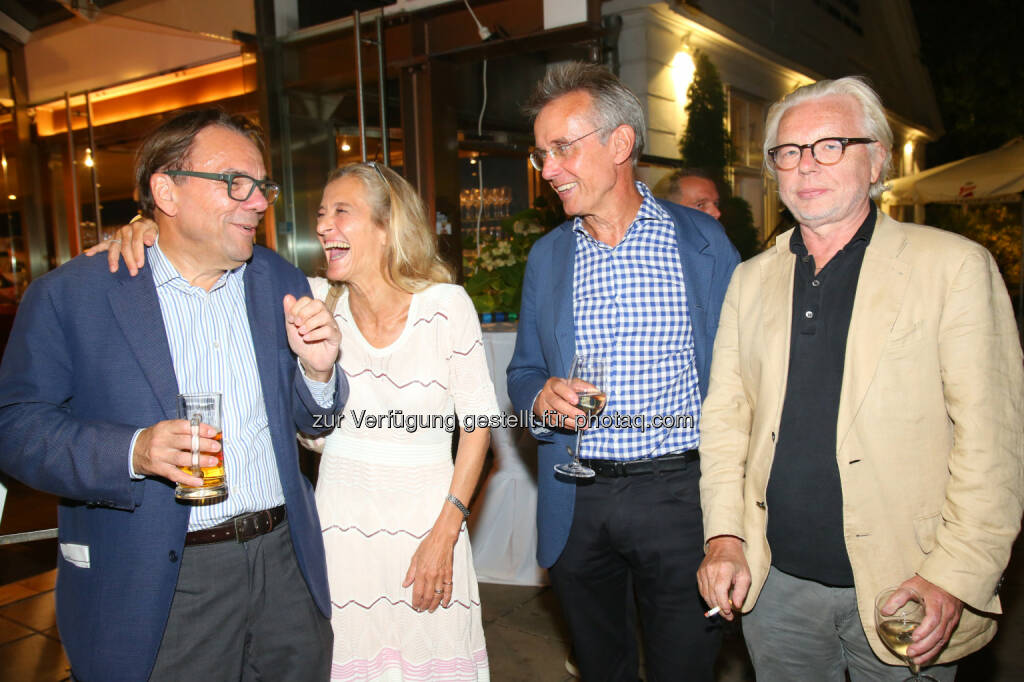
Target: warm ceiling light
column 88, row 157
column 11, row 197
column 345, row 146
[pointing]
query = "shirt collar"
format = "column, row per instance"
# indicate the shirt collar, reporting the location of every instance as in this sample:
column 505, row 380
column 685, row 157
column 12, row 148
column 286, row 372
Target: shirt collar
column 165, row 273
column 649, row 210
column 863, row 234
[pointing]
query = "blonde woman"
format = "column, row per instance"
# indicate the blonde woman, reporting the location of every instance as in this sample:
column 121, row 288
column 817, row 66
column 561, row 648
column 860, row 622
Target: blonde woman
column 391, row 502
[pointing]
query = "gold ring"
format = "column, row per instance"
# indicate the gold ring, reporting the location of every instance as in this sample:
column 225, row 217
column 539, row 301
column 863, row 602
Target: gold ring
column 137, row 218
column 438, row 591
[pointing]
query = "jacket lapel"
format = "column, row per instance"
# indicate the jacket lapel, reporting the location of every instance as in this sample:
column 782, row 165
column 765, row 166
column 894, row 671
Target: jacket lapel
column 136, row 309
column 562, row 321
column 881, row 290
column 265, row 325
column 777, row 297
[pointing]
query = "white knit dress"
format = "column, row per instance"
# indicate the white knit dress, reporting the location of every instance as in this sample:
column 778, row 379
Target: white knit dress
column 384, row 475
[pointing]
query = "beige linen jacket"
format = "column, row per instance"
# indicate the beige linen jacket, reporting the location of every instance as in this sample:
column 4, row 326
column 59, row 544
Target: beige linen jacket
column 930, row 433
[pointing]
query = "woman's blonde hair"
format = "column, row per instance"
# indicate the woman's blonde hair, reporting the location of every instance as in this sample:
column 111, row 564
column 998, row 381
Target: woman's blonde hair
column 411, row 259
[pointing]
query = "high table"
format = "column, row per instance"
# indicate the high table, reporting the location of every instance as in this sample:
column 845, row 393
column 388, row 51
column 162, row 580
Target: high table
column 503, row 528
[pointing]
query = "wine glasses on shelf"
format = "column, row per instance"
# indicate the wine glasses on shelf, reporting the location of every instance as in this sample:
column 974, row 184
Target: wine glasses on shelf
column 588, row 377
column 896, row 625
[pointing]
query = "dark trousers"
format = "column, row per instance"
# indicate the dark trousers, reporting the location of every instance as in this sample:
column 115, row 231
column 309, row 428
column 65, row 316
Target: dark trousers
column 242, row 611
column 645, row 530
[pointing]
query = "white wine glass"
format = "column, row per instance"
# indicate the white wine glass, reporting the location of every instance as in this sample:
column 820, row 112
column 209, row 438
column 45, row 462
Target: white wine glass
column 895, row 629
column 588, row 377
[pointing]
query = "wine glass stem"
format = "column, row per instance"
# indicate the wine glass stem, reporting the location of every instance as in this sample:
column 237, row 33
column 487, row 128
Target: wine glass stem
column 576, row 452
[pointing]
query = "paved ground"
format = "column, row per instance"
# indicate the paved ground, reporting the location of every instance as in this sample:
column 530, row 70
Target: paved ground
column 526, row 638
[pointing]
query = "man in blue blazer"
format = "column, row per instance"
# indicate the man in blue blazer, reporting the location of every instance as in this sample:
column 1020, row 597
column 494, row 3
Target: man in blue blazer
column 148, row 587
column 639, row 282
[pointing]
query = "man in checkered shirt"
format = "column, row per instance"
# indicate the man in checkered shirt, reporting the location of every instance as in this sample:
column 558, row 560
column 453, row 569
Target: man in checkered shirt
column 639, row 282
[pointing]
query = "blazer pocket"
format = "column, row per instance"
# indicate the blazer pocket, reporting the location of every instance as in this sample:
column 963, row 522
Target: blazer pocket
column 899, row 339
column 75, row 554
column 924, row 530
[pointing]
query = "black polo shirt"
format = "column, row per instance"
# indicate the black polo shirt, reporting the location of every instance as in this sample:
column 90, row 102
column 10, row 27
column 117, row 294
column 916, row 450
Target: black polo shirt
column 805, row 498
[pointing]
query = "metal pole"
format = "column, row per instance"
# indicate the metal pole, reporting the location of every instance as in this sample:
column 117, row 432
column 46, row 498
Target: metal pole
column 381, row 93
column 13, row 253
column 95, row 181
column 76, row 229
column 29, row 536
column 359, row 84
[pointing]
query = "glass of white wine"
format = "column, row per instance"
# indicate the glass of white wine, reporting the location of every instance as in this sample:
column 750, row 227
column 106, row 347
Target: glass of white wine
column 896, row 628
column 588, row 377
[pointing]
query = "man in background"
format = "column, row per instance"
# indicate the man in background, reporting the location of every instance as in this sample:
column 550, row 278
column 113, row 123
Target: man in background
column 694, row 188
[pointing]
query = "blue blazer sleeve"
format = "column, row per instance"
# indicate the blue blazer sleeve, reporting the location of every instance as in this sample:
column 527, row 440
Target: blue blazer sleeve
column 41, row 443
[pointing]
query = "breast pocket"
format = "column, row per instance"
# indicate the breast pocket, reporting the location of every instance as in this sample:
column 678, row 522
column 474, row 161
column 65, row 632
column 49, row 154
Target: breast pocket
column 904, row 340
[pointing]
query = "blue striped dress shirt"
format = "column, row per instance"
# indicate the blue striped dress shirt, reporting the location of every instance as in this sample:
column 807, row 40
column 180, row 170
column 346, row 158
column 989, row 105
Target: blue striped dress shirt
column 211, row 348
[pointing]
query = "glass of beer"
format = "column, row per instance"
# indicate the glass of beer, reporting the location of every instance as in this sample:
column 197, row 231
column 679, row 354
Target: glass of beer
column 203, row 408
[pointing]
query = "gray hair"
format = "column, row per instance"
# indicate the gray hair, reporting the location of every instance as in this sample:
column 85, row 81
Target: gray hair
column 614, row 103
column 872, row 114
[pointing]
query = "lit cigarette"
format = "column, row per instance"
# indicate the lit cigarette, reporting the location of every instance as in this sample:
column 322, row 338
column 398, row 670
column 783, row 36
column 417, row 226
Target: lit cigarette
column 712, row 612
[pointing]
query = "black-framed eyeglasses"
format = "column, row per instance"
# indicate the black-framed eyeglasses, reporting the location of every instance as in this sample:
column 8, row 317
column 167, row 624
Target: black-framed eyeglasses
column 826, row 151
column 240, row 185
column 557, row 152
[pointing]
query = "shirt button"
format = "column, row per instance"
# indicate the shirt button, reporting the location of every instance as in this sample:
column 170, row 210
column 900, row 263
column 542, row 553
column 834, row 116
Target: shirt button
column 809, row 315
column 815, row 283
column 216, row 344
column 172, row 556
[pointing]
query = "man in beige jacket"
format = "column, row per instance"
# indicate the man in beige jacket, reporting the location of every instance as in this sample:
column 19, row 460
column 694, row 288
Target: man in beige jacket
column 863, row 426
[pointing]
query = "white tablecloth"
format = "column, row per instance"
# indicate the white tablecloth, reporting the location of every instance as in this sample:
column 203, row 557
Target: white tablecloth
column 503, row 528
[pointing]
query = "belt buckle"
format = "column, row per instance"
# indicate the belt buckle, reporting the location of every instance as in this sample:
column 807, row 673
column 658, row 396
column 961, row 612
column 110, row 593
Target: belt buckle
column 620, row 468
column 240, row 528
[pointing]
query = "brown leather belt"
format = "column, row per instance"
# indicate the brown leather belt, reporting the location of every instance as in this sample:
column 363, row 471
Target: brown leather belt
column 673, row 462
column 242, row 528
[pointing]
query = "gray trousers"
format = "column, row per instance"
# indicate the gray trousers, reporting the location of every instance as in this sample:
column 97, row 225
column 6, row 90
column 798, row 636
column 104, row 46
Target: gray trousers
column 803, row 631
column 242, row 611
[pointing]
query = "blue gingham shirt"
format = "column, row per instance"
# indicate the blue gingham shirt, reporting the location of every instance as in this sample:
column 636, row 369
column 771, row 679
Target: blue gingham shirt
column 211, row 348
column 629, row 305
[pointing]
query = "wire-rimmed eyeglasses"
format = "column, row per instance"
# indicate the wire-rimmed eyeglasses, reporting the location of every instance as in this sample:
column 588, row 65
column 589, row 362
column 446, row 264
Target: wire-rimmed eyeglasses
column 240, row 185
column 557, row 152
column 826, row 151
column 374, row 166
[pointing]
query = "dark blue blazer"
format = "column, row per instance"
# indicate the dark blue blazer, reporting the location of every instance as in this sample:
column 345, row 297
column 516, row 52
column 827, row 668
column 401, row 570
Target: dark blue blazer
column 87, row 364
column 546, row 343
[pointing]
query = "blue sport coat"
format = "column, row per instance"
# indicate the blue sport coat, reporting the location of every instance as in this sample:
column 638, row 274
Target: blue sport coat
column 546, row 343
column 87, row 364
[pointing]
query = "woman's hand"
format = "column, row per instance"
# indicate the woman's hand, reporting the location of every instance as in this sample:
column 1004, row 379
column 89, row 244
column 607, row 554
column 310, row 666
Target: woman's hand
column 130, row 242
column 430, row 571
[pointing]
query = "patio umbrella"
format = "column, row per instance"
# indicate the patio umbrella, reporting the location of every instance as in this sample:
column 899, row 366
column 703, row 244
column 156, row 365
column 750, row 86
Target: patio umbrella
column 994, row 176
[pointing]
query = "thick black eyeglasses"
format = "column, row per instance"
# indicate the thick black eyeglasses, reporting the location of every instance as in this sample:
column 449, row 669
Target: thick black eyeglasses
column 240, row 185
column 826, row 151
column 558, row 151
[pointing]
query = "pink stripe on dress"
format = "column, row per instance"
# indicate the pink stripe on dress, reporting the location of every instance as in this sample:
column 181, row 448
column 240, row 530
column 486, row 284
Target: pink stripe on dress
column 452, row 669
